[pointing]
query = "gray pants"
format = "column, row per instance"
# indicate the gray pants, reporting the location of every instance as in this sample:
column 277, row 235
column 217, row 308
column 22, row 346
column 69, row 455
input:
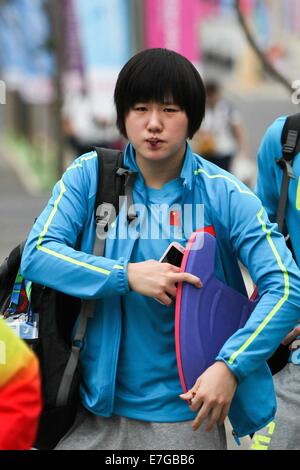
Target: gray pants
column 284, row 432
column 91, row 432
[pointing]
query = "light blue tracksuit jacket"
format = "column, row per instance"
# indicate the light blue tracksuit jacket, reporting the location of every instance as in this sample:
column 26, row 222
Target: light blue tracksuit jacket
column 269, row 180
column 243, row 232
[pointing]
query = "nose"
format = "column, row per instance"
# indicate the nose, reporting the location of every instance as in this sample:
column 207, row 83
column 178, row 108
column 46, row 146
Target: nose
column 154, row 123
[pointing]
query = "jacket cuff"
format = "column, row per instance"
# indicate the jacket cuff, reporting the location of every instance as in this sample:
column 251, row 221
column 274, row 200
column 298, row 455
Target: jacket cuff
column 123, row 286
column 239, row 377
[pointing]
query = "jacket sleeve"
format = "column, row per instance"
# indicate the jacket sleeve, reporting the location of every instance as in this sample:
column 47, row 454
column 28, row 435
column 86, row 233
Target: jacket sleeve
column 50, row 257
column 269, row 174
column 263, row 251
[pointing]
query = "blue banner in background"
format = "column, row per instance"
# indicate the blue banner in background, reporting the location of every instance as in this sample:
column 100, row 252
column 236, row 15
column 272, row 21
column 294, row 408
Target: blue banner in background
column 10, row 53
column 25, row 62
column 105, row 38
column 24, row 31
column 105, row 32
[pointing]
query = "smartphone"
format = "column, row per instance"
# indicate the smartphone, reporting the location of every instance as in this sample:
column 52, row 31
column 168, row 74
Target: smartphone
column 173, row 254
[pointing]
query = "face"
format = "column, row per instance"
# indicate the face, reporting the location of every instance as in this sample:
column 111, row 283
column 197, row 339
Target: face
column 157, row 131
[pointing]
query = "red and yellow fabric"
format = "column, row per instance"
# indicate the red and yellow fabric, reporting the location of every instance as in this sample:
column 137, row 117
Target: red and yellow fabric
column 20, row 392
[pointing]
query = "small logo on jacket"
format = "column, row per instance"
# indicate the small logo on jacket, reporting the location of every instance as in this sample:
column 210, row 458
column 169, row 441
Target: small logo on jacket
column 175, row 218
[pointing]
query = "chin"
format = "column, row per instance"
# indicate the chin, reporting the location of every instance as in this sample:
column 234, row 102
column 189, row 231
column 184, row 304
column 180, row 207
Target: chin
column 154, row 156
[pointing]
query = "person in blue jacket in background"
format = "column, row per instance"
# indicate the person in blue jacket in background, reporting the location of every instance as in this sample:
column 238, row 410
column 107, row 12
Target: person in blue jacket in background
column 283, row 433
column 131, row 393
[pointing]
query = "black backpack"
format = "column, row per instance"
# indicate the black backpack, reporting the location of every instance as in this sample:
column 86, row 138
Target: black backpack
column 290, row 141
column 58, row 312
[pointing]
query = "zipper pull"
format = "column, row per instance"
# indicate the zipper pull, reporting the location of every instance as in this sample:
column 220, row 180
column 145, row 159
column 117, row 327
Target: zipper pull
column 236, row 438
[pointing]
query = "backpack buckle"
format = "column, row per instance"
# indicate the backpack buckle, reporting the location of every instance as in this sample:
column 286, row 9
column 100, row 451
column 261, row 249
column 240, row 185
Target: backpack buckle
column 122, row 171
column 291, row 142
column 77, row 344
column 129, row 176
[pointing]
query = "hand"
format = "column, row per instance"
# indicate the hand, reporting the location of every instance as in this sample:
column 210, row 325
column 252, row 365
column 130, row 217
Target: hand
column 291, row 335
column 212, row 395
column 158, row 280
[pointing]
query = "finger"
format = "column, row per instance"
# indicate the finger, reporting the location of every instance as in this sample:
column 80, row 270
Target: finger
column 188, row 396
column 187, row 277
column 201, row 416
column 196, row 400
column 214, row 416
column 165, row 299
column 196, row 403
column 291, row 336
column 171, row 291
column 287, row 340
column 171, row 267
column 224, row 414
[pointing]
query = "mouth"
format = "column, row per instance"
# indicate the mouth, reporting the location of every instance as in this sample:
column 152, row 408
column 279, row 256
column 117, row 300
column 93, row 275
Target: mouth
column 154, row 141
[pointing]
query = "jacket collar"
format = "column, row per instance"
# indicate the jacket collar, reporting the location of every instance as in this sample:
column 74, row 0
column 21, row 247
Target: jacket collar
column 186, row 172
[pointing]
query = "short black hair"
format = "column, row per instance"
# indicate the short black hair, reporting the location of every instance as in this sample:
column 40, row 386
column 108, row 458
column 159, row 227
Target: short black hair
column 158, row 75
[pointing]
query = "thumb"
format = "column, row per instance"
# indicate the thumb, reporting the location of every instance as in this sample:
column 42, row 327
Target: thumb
column 189, row 395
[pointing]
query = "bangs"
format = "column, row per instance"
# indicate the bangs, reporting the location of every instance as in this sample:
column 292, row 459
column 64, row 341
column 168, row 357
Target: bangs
column 160, row 80
column 168, row 86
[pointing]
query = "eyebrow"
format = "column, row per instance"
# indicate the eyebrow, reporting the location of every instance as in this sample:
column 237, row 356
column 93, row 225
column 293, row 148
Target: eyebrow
column 165, row 102
column 169, row 101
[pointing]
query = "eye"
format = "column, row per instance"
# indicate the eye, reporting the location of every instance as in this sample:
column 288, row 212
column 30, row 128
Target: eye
column 140, row 108
column 171, row 110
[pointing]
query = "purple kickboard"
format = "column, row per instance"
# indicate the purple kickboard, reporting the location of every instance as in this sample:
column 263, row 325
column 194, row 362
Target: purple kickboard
column 208, row 316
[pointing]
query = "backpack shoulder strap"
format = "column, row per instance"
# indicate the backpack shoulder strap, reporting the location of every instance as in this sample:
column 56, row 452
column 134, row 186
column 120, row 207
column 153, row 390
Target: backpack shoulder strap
column 113, row 181
column 290, row 140
column 110, row 184
column 290, row 137
column 9, row 269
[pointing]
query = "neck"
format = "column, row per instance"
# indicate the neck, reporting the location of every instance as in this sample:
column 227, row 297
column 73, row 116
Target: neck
column 158, row 173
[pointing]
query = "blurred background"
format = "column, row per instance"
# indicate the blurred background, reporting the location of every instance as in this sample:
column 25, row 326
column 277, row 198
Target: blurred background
column 59, row 60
